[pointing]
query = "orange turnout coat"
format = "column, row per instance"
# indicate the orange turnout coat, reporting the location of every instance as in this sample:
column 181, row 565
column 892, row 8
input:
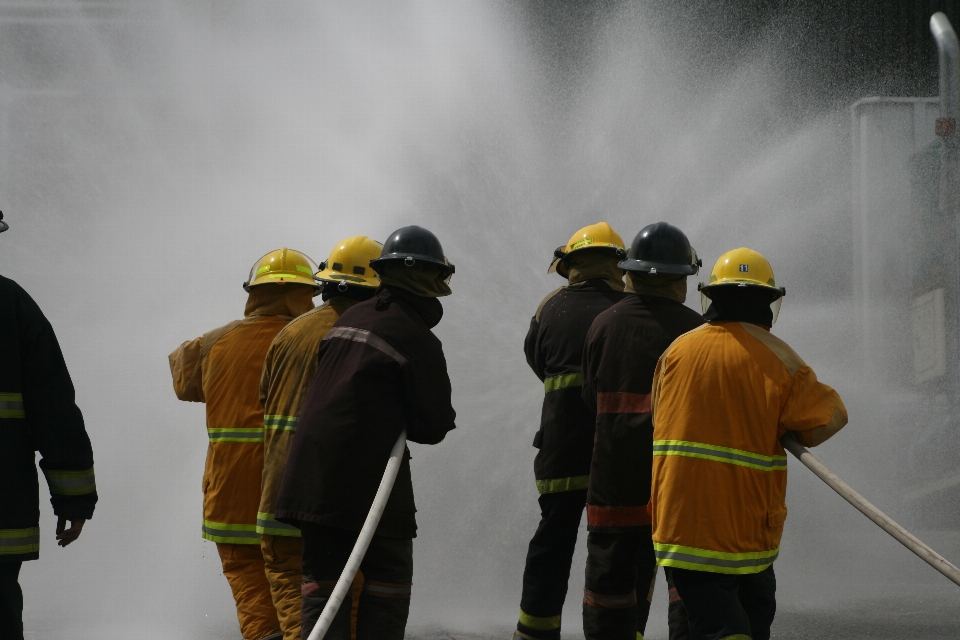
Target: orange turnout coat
column 723, row 396
column 223, row 368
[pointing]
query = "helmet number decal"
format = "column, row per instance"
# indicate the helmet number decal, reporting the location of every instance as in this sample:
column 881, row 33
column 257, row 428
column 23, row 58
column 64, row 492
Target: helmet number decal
column 744, row 268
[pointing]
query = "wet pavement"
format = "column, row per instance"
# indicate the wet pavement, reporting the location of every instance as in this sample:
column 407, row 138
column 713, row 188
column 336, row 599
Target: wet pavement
column 887, row 619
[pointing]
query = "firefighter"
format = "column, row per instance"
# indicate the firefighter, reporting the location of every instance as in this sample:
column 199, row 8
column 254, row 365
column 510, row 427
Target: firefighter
column 724, row 395
column 619, row 357
column 554, row 348
column 381, row 370
column 223, row 369
column 291, row 362
column 37, row 413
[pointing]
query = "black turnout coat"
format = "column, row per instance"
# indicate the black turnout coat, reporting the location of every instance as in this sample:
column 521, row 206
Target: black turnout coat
column 381, row 370
column 554, row 349
column 37, row 413
column 619, row 358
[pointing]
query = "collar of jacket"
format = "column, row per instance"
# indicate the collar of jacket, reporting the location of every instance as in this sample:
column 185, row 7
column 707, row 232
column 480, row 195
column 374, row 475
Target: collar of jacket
column 600, row 284
column 289, row 300
column 429, row 309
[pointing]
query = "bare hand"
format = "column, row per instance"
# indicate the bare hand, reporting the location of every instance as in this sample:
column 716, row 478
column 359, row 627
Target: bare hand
column 66, row 536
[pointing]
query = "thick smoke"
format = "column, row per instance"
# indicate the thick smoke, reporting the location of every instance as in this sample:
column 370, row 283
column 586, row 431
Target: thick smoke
column 153, row 155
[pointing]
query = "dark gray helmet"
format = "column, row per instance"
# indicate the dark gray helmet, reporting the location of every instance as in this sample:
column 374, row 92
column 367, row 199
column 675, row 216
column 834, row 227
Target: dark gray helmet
column 3, row 225
column 411, row 245
column 661, row 248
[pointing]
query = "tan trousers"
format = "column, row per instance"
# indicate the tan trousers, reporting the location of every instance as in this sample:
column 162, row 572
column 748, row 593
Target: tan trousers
column 281, row 560
column 244, row 570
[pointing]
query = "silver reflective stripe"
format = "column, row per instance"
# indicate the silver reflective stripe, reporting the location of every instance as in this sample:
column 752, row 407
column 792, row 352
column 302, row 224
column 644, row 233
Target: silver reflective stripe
column 364, row 336
column 71, row 483
column 19, row 541
column 717, row 562
column 221, row 533
column 11, row 405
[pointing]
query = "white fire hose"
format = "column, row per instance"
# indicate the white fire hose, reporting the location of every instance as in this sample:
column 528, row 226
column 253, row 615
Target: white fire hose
column 363, row 541
column 879, row 518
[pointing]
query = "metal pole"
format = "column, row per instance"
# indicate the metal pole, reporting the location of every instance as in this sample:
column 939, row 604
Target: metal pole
column 363, row 541
column 879, row 518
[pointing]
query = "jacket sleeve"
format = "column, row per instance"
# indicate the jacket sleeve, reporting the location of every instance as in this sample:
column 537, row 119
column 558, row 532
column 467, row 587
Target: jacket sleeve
column 187, row 372
column 813, row 411
column 588, row 369
column 429, row 394
column 531, row 350
column 56, row 423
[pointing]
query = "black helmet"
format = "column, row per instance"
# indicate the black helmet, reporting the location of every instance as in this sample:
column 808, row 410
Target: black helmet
column 411, row 245
column 661, row 248
column 3, row 225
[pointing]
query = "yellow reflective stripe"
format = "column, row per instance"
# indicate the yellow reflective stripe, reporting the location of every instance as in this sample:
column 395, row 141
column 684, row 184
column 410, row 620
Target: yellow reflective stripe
column 639, row 636
column 538, row 623
column 736, row 636
column 562, row 382
column 19, row 541
column 680, row 557
column 230, row 533
column 560, row 485
column 267, row 523
column 280, row 423
column 235, row 434
column 738, row 457
column 11, row 405
column 71, row 483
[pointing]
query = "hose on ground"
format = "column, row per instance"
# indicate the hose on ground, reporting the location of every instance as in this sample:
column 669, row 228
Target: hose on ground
column 363, row 541
column 878, row 517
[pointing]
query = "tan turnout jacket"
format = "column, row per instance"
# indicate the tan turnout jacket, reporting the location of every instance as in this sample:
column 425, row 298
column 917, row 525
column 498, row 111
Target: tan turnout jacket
column 290, row 365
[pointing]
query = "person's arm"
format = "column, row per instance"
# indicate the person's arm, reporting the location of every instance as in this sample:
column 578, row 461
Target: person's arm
column 531, row 350
column 814, row 412
column 56, row 423
column 588, row 368
column 429, row 394
column 186, row 371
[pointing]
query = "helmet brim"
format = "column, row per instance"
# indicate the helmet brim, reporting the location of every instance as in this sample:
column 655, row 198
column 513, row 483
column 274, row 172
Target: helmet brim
column 776, row 292
column 3, row 226
column 658, row 268
column 448, row 268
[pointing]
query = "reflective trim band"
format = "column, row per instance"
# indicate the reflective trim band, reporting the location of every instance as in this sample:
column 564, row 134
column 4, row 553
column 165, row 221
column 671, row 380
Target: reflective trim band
column 387, row 589
column 235, row 434
column 538, row 623
column 563, row 381
column 11, row 405
column 267, row 523
column 598, row 516
column 675, row 555
column 71, row 483
column 608, row 601
column 719, row 454
column 561, row 485
column 361, row 335
column 280, row 423
column 231, row 533
column 639, row 636
column 623, row 402
column 15, row 542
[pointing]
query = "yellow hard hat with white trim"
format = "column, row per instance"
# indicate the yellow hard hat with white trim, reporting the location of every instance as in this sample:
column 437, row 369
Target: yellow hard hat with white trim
column 283, row 266
column 743, row 267
column 349, row 263
column 595, row 236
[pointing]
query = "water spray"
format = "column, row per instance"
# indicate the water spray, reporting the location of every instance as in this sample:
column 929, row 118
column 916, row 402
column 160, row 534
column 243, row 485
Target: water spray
column 865, row 507
column 363, row 541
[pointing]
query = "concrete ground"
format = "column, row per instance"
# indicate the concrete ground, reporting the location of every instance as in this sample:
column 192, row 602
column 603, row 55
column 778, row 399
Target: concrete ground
column 926, row 618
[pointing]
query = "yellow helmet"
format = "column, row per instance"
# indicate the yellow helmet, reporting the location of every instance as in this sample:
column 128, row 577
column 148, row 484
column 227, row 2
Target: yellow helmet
column 349, row 263
column 595, row 236
column 282, row 266
column 743, row 268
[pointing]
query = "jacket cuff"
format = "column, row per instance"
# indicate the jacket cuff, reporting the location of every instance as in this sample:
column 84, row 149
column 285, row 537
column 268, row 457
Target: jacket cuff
column 73, row 494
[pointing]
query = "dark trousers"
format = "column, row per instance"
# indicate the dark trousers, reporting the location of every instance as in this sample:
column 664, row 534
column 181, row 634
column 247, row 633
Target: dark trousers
column 387, row 571
column 721, row 605
column 549, row 556
column 621, row 570
column 11, row 602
